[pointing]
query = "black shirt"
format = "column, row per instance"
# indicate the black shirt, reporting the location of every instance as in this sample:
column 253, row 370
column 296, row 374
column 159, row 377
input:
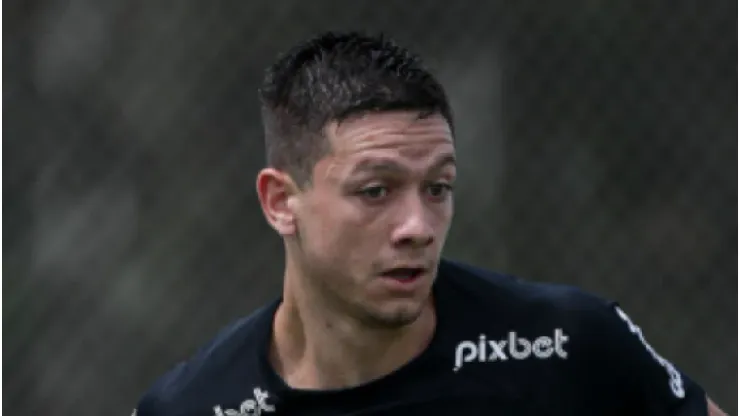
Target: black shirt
column 501, row 346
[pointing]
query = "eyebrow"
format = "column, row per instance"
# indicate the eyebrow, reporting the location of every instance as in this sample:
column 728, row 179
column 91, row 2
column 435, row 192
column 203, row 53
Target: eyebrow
column 383, row 165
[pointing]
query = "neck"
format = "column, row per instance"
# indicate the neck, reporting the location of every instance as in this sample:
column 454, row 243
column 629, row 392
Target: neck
column 314, row 347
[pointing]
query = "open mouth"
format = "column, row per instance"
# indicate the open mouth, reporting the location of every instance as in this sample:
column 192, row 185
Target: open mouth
column 404, row 274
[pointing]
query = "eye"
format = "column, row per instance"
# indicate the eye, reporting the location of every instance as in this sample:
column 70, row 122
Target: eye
column 439, row 189
column 374, row 192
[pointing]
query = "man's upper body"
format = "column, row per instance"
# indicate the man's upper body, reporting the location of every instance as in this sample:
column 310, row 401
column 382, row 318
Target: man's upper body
column 501, row 346
column 359, row 186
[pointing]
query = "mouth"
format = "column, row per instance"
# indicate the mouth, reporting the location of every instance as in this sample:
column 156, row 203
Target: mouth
column 404, row 274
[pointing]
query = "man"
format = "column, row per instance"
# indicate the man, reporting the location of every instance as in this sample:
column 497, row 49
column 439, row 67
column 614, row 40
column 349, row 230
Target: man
column 361, row 167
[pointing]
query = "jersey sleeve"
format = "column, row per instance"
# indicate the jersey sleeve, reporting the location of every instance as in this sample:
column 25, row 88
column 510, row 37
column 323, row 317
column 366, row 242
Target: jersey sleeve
column 645, row 381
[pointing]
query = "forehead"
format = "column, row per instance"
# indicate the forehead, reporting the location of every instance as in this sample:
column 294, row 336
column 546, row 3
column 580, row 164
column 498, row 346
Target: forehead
column 404, row 132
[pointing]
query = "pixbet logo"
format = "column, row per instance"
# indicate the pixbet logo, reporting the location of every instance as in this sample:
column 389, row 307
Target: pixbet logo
column 487, row 350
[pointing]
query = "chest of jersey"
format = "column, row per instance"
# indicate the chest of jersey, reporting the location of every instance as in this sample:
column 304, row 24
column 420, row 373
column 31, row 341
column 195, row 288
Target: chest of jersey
column 505, row 387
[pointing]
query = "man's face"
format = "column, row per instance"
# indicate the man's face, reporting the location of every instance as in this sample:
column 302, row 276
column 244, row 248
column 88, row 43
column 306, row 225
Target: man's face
column 372, row 225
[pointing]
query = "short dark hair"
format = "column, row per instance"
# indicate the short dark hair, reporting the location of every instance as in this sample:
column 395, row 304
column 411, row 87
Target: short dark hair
column 330, row 78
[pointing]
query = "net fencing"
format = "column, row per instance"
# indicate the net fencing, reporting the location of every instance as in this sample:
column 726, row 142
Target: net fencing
column 596, row 140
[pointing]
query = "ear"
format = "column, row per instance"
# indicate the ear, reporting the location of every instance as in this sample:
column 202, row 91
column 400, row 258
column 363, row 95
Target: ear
column 278, row 193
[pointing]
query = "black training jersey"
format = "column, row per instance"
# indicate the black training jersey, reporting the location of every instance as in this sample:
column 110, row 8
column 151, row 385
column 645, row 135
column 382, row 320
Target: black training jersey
column 502, row 346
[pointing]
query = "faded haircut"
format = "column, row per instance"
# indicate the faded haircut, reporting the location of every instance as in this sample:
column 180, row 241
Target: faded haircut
column 330, row 78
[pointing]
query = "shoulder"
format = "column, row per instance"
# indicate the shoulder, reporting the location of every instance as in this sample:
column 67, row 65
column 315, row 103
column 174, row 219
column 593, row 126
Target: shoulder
column 487, row 288
column 595, row 324
column 531, row 315
column 608, row 355
column 218, row 366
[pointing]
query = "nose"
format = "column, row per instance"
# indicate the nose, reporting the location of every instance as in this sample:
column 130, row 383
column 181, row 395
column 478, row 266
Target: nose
column 415, row 228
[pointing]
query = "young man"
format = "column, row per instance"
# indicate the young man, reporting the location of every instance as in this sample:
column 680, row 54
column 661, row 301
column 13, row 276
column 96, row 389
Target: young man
column 361, row 167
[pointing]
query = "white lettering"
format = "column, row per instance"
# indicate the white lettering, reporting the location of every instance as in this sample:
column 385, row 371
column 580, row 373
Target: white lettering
column 464, row 353
column 482, row 348
column 514, row 352
column 497, row 350
column 519, row 348
column 542, row 347
column 675, row 381
column 249, row 407
column 560, row 339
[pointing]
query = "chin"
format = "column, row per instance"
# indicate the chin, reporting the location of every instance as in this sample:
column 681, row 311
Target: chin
column 398, row 315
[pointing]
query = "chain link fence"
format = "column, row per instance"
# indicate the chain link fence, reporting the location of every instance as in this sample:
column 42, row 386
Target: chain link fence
column 597, row 143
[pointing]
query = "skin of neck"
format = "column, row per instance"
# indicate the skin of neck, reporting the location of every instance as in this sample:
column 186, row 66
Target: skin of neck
column 316, row 346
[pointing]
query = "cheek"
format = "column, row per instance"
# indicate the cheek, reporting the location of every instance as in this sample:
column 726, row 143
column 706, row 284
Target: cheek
column 333, row 230
column 355, row 239
column 446, row 214
column 441, row 213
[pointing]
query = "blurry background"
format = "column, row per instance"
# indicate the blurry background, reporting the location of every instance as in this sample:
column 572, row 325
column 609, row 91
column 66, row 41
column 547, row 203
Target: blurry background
column 597, row 142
